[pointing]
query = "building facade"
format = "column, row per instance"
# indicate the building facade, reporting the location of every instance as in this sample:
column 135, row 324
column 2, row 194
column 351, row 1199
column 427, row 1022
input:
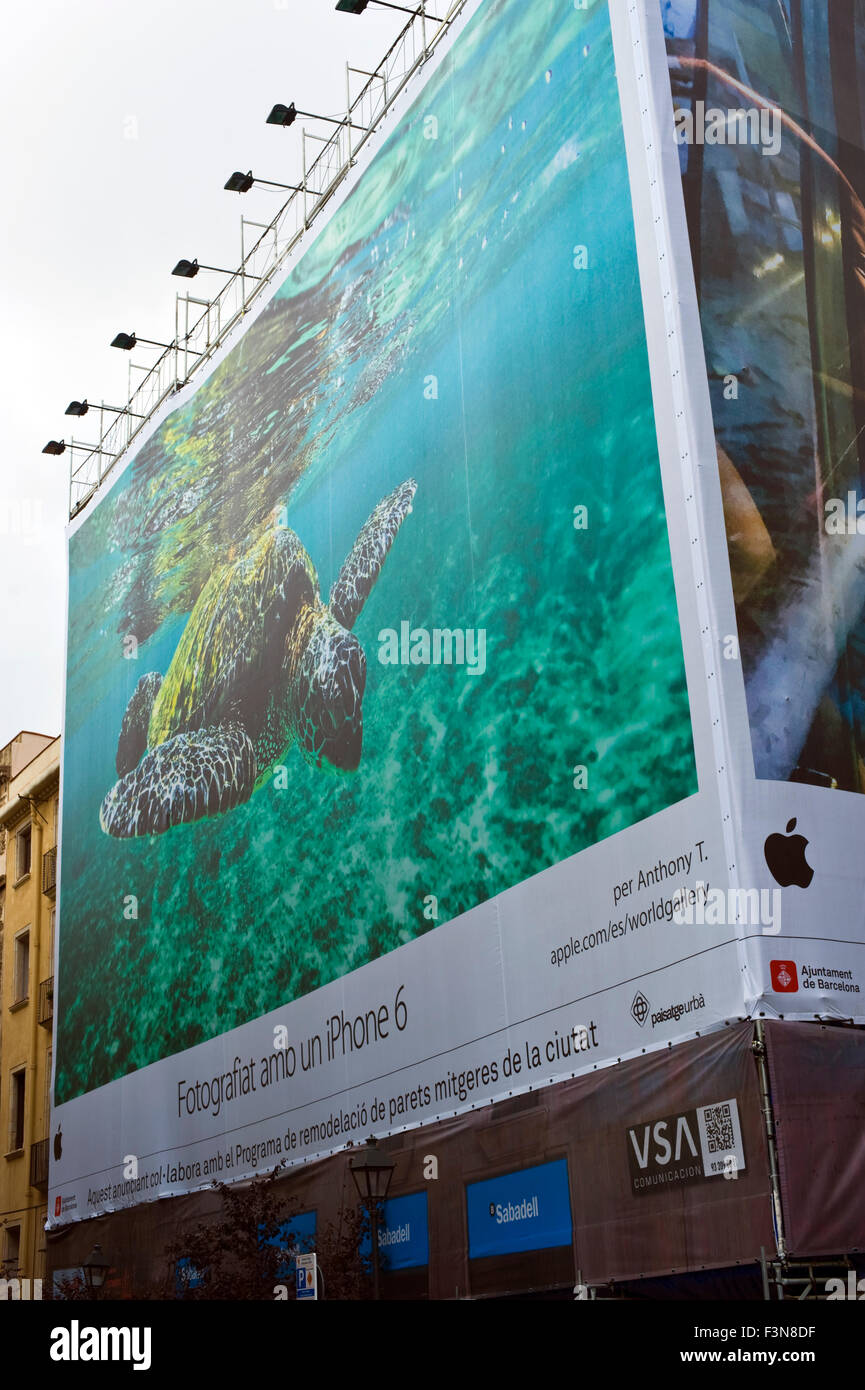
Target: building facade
column 29, row 818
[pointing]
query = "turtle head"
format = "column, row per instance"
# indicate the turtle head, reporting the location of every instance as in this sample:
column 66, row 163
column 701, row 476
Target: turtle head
column 327, row 683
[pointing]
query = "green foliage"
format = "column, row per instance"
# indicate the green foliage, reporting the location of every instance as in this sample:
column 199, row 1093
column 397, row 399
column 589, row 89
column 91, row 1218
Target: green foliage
column 238, row 1255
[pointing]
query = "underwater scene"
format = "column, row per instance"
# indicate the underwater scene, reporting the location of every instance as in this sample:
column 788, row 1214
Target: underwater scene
column 382, row 620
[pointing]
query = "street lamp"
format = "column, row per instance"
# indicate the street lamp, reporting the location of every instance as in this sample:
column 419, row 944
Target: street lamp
column 372, row 1171
column 95, row 1268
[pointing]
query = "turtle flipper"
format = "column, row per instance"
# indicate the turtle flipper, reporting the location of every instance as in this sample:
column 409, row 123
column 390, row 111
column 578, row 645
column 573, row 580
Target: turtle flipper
column 328, row 676
column 133, row 731
column 199, row 773
column 363, row 566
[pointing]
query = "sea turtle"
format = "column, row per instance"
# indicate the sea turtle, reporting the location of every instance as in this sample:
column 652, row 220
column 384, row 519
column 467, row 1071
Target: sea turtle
column 261, row 662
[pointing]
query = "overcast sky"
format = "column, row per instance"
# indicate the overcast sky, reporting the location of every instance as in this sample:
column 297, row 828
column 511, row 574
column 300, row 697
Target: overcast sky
column 122, row 119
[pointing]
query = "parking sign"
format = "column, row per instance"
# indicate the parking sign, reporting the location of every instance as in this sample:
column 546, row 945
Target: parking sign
column 307, row 1281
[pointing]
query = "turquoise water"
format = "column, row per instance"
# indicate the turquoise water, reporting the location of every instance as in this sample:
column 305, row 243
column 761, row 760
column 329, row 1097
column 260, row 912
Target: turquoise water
column 453, row 259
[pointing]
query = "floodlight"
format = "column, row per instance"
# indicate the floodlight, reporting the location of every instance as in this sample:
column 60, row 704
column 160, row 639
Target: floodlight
column 82, row 407
column 127, row 341
column 59, row 446
column 358, row 7
column 240, row 183
column 282, row 115
column 287, row 115
column 189, row 269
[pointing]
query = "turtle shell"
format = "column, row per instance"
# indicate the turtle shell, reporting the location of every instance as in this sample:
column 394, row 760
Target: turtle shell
column 229, row 660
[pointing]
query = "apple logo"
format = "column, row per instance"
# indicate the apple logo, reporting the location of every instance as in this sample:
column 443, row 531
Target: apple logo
column 58, row 1146
column 785, row 857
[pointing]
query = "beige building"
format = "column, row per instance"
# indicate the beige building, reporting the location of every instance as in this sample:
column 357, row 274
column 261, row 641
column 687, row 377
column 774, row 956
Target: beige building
column 29, row 819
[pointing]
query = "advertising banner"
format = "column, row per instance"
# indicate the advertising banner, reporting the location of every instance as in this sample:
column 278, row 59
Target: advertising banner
column 769, row 138
column 530, row 1210
column 395, row 775
column 818, row 1091
column 546, row 1191
column 403, row 1233
column 699, row 1144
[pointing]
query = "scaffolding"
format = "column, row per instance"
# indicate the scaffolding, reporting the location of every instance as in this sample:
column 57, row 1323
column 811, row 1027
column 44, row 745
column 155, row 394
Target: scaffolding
column 202, row 326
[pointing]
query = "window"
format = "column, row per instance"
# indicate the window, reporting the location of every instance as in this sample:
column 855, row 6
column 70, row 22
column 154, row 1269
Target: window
column 22, row 847
column 11, row 1251
column 16, row 1103
column 21, row 978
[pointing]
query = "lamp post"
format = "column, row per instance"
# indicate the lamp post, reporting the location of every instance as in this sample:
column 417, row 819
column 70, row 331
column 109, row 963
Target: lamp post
column 372, row 1171
column 95, row 1268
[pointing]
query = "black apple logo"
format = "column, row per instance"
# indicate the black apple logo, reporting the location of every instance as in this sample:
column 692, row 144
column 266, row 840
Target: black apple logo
column 785, row 856
column 58, row 1146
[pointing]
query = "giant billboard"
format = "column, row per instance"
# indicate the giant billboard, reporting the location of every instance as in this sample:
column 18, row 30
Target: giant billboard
column 391, row 766
column 770, row 131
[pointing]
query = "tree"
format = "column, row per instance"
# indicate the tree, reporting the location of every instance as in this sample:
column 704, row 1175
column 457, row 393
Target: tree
column 346, row 1274
column 242, row 1253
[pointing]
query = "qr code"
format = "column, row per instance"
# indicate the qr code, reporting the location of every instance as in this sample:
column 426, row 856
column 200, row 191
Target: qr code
column 719, row 1128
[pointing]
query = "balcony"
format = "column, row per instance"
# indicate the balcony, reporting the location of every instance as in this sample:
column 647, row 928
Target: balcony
column 39, row 1164
column 46, row 1002
column 49, row 872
